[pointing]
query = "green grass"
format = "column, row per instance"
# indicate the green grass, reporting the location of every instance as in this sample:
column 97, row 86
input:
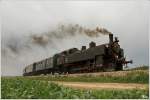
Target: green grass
column 144, row 67
column 136, row 76
column 23, row 88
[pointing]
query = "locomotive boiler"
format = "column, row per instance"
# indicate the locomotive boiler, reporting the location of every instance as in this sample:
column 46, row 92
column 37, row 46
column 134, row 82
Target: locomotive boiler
column 96, row 58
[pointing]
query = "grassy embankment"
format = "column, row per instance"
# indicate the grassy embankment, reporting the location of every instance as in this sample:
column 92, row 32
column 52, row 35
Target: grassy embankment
column 134, row 76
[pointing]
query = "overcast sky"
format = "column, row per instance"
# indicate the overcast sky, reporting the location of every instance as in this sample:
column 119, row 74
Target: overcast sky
column 128, row 20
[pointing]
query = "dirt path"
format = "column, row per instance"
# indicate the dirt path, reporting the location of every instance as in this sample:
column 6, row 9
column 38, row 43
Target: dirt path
column 84, row 85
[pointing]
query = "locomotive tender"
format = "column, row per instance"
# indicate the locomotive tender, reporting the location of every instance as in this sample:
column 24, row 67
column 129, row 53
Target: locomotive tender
column 105, row 57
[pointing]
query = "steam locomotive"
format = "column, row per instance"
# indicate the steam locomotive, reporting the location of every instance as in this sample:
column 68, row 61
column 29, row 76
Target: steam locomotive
column 105, row 57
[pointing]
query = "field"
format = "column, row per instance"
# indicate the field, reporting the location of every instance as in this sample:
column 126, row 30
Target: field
column 45, row 87
column 26, row 88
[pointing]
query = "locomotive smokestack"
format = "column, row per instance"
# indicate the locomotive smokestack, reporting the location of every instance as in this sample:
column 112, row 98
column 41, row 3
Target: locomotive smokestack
column 110, row 38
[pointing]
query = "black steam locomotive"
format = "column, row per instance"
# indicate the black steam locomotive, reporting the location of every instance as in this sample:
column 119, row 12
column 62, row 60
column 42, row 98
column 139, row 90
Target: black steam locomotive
column 105, row 57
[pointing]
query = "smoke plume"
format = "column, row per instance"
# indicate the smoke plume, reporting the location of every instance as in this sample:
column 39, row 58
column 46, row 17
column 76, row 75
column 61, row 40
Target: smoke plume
column 63, row 31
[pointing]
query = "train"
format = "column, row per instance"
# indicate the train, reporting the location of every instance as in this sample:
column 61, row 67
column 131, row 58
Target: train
column 96, row 58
